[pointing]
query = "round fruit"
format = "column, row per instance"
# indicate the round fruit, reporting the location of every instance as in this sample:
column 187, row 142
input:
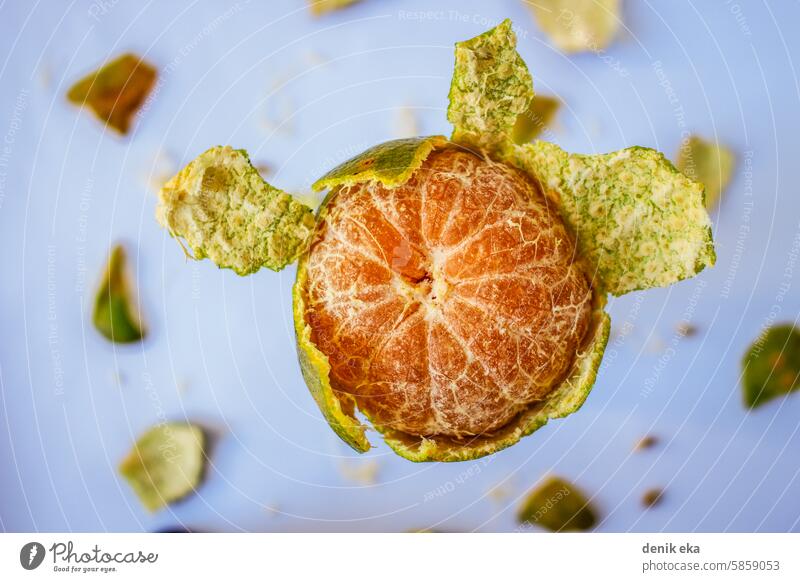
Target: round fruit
column 449, row 304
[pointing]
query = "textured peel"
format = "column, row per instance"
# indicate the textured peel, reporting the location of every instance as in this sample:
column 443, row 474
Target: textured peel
column 115, row 91
column 639, row 222
column 578, row 25
column 222, row 208
column 115, row 315
column 166, row 463
column 390, row 163
column 491, row 88
column 709, row 163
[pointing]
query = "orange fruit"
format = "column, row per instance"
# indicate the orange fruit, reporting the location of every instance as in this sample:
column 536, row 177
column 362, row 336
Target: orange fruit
column 448, row 304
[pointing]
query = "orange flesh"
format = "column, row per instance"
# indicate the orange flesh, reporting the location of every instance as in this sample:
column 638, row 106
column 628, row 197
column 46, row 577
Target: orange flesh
column 449, row 304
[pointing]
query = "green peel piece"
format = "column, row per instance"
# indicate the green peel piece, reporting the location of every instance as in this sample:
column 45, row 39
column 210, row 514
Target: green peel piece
column 391, row 163
column 320, row 7
column 638, row 221
column 772, row 366
column 557, row 505
column 709, row 163
column 567, row 398
column 115, row 92
column 222, row 208
column 115, row 315
column 491, row 88
column 578, row 25
column 337, row 409
column 166, row 463
column 536, row 118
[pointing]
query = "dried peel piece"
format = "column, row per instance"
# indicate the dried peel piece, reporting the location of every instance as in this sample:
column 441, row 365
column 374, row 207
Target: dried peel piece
column 224, row 210
column 709, row 163
column 535, row 119
column 638, row 221
column 166, row 463
column 390, row 163
column 115, row 91
column 771, row 366
column 320, row 7
column 578, row 25
column 491, row 88
column 115, row 314
column 652, row 497
column 558, row 506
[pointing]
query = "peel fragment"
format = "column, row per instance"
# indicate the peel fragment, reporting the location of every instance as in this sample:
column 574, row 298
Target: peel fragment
column 391, row 163
column 535, row 119
column 320, row 7
column 114, row 314
column 708, row 163
column 115, row 91
column 491, row 88
column 771, row 366
column 638, row 221
column 578, row 25
column 166, row 463
column 222, row 208
column 558, row 506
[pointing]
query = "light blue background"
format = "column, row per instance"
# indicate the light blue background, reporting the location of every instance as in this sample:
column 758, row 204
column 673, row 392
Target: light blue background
column 221, row 349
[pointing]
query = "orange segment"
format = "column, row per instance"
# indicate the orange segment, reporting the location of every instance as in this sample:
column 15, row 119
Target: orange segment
column 450, row 303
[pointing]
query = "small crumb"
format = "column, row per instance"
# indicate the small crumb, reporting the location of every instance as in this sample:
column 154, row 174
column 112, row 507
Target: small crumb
column 161, row 169
column 118, row 378
column 646, row 442
column 263, row 169
column 272, row 510
column 501, row 492
column 182, row 386
column 652, row 497
column 361, row 472
column 278, row 117
column 405, row 123
column 656, row 345
column 314, row 58
column 686, row 329
column 45, row 76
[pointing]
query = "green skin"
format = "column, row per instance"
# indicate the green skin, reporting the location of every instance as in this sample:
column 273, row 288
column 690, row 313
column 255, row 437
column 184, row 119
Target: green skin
column 637, row 221
column 771, row 366
column 557, row 505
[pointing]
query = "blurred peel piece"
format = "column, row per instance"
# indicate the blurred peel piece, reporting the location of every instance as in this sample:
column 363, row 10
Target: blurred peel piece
column 166, row 463
column 321, row 7
column 116, row 91
column 771, row 366
column 224, row 210
column 558, row 506
column 578, row 25
column 535, row 119
column 709, row 163
column 115, row 314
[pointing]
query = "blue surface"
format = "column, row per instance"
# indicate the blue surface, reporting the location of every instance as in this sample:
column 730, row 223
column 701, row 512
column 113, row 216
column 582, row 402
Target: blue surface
column 221, row 349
